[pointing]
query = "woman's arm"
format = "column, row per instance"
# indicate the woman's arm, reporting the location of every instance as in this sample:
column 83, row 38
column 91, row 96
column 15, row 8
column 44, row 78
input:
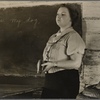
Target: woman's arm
column 73, row 63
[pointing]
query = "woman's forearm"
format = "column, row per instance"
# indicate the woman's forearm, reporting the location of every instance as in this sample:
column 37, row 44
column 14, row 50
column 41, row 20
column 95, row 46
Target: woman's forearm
column 73, row 63
column 67, row 64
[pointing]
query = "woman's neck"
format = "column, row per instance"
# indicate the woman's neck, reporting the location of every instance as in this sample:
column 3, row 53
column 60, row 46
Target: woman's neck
column 63, row 28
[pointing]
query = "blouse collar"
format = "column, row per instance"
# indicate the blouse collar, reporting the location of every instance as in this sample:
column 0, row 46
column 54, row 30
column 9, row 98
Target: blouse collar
column 58, row 35
column 67, row 30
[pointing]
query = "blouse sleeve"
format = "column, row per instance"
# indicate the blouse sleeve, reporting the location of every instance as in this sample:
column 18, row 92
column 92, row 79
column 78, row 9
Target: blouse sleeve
column 75, row 44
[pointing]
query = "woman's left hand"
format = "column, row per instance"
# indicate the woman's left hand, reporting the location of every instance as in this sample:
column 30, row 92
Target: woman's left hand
column 47, row 66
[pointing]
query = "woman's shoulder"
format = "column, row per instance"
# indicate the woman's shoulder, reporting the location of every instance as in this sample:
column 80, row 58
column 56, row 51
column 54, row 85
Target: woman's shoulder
column 75, row 35
column 75, row 43
column 75, row 38
column 71, row 34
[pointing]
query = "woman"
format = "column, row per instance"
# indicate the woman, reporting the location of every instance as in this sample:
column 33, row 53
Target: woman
column 62, row 58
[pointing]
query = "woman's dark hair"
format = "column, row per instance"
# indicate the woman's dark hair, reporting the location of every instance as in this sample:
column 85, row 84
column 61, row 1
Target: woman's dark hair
column 75, row 14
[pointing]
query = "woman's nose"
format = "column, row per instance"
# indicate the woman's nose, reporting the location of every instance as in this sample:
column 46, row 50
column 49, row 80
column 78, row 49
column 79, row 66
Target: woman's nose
column 58, row 16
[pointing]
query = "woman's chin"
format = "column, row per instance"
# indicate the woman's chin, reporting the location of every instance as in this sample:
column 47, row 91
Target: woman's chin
column 59, row 25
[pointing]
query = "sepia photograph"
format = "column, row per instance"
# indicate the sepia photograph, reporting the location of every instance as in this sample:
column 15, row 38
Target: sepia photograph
column 50, row 49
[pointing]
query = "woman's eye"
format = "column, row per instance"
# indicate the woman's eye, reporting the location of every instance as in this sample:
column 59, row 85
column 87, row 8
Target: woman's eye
column 60, row 15
column 63, row 14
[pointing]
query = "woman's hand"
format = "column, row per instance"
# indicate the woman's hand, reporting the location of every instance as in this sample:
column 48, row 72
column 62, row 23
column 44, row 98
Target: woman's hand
column 47, row 66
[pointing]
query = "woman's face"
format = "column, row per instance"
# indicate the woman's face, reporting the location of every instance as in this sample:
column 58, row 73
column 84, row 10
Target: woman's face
column 63, row 18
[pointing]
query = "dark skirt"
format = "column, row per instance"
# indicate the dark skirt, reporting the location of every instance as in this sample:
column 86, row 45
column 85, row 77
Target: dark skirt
column 62, row 84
